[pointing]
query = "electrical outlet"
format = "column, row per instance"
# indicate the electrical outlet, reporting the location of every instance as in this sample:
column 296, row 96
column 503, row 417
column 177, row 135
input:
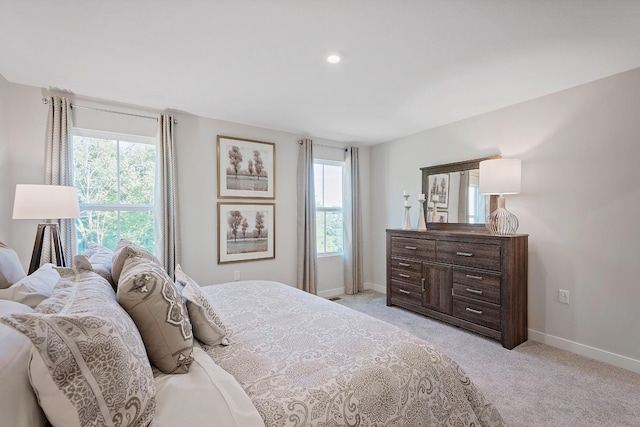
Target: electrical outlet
column 563, row 296
column 236, row 275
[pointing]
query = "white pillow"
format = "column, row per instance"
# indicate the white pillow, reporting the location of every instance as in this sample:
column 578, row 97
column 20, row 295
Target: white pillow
column 206, row 395
column 10, row 268
column 34, row 288
column 18, row 403
column 207, row 325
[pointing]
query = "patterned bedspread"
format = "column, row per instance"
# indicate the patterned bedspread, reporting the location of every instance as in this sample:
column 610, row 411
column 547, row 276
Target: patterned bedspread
column 306, row 361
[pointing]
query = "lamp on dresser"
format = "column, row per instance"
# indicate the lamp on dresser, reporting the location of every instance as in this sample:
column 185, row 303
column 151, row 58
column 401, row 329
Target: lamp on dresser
column 500, row 177
column 46, row 202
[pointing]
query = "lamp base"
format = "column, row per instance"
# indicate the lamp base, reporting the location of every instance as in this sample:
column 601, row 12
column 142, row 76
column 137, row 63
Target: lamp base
column 39, row 243
column 501, row 222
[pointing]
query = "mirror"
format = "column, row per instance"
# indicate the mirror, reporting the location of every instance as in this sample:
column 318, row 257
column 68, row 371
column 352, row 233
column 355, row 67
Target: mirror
column 453, row 190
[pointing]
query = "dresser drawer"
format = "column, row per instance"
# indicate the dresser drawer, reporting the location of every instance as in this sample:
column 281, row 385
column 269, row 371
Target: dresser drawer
column 406, row 265
column 477, row 285
column 406, row 292
column 410, row 276
column 476, row 255
column 478, row 312
column 413, row 248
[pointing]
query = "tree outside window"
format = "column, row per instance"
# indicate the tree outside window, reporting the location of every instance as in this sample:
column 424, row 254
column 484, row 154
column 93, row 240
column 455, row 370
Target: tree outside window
column 115, row 176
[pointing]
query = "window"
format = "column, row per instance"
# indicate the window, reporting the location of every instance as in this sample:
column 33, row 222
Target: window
column 328, row 188
column 115, row 176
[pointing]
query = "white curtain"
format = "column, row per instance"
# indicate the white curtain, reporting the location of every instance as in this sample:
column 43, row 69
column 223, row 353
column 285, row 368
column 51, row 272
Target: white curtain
column 58, row 171
column 168, row 225
column 353, row 280
column 307, row 270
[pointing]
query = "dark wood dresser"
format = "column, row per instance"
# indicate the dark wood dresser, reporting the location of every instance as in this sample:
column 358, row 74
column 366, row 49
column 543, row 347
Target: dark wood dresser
column 470, row 279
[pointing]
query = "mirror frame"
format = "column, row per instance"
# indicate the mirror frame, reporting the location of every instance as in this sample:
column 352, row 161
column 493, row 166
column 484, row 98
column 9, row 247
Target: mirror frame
column 455, row 167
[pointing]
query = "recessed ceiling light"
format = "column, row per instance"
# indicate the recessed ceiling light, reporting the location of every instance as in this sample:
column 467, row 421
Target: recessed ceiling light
column 333, row 59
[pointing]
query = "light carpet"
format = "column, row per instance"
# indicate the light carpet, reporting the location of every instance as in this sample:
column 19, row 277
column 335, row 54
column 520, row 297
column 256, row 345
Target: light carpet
column 531, row 385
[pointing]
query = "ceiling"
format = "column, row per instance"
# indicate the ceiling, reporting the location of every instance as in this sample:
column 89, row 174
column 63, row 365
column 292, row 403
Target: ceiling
column 407, row 66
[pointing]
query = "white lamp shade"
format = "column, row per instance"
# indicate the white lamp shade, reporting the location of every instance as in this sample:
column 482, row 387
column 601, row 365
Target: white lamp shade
column 500, row 176
column 45, row 202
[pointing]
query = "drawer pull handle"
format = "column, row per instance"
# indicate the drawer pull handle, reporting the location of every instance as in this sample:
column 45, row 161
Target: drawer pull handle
column 467, row 254
column 423, row 281
column 471, row 276
column 404, row 264
column 411, row 248
column 474, row 310
column 474, row 291
column 404, row 292
column 406, row 276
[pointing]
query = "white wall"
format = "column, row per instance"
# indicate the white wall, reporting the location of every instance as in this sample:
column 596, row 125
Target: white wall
column 22, row 137
column 580, row 202
column 5, row 193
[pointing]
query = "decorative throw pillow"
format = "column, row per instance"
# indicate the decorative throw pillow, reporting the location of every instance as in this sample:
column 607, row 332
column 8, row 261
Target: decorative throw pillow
column 208, row 327
column 88, row 362
column 10, row 268
column 124, row 250
column 34, row 288
column 153, row 302
column 18, row 403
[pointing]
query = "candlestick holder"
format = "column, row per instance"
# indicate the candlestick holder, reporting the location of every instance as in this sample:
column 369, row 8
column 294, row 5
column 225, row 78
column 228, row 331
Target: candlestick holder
column 422, row 225
column 406, row 223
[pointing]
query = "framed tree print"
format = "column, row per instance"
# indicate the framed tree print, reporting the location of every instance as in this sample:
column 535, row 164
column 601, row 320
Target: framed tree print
column 438, row 190
column 246, row 232
column 246, row 168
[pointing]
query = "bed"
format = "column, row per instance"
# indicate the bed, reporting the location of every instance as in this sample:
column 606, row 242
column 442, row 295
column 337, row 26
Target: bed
column 246, row 353
column 307, row 361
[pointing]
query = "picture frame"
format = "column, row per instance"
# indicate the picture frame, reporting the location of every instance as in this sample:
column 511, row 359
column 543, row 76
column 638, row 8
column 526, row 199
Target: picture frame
column 438, row 188
column 442, row 216
column 246, row 231
column 246, row 168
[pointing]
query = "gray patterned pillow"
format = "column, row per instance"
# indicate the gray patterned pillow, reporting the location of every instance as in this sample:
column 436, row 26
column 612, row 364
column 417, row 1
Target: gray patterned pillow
column 208, row 327
column 154, row 304
column 124, row 250
column 88, row 363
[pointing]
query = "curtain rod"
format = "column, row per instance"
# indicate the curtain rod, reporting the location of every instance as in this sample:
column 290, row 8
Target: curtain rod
column 46, row 101
column 328, row 146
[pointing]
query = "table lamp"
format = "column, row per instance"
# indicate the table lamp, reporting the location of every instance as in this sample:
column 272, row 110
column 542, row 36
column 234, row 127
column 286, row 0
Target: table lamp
column 501, row 176
column 46, row 202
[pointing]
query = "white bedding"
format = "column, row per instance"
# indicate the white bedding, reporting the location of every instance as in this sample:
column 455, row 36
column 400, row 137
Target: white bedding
column 205, row 396
column 306, row 361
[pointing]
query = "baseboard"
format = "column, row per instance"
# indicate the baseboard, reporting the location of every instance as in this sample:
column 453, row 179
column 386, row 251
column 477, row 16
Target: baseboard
column 330, row 293
column 587, row 351
column 375, row 287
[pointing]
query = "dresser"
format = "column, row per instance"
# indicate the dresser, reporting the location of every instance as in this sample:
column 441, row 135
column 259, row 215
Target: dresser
column 473, row 280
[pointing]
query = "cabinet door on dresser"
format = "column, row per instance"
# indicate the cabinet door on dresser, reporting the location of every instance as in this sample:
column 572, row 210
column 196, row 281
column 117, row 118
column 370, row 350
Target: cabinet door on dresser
column 437, row 287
